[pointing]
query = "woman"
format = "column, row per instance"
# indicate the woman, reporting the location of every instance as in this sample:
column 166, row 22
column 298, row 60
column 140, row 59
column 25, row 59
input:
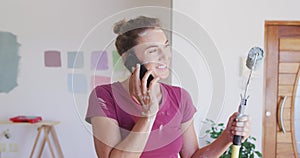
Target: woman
column 133, row 119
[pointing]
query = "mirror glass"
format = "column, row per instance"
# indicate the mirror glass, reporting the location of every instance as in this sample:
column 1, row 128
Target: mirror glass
column 297, row 115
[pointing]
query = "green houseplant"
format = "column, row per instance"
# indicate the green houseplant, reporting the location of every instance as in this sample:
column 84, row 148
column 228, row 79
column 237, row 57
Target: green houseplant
column 247, row 149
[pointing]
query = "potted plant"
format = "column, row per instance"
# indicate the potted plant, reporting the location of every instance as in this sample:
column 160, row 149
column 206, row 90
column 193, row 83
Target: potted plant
column 247, row 149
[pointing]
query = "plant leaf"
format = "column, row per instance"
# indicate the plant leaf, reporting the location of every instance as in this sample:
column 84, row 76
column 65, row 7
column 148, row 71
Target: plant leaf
column 258, row 153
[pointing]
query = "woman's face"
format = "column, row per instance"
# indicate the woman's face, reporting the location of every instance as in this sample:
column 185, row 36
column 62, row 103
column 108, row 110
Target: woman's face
column 154, row 52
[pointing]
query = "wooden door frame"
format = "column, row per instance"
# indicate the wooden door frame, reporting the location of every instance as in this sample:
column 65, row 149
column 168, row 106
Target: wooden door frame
column 272, row 34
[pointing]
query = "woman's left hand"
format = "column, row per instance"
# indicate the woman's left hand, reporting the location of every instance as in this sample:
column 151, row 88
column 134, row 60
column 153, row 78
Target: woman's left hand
column 238, row 126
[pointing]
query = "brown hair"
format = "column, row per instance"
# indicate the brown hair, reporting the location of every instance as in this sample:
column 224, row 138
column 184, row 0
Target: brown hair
column 128, row 31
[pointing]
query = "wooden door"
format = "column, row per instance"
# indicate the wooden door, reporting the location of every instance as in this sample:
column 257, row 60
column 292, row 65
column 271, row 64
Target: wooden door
column 282, row 47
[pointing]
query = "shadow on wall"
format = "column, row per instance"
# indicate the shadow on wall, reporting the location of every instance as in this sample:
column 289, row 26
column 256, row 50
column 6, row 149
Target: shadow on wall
column 9, row 61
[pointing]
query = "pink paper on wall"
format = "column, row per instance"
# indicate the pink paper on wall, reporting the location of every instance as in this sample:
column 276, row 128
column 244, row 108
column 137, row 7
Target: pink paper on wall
column 99, row 80
column 52, row 58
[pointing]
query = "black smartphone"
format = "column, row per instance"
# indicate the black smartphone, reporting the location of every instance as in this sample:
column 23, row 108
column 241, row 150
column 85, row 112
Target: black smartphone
column 131, row 61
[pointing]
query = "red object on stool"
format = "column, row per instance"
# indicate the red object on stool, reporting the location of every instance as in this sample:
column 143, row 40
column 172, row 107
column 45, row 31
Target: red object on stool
column 30, row 119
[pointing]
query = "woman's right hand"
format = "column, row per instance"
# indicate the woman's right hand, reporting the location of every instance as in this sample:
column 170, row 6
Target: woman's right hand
column 138, row 90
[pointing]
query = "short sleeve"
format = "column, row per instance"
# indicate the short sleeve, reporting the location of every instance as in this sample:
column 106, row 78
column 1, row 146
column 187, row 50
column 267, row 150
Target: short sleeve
column 100, row 104
column 187, row 107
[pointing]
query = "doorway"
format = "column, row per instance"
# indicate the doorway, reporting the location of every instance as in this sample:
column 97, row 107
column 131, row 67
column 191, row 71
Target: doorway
column 282, row 46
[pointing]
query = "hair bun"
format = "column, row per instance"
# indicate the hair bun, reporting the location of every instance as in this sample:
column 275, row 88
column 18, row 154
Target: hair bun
column 118, row 26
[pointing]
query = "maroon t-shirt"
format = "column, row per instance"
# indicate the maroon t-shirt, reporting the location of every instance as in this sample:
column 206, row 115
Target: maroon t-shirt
column 165, row 140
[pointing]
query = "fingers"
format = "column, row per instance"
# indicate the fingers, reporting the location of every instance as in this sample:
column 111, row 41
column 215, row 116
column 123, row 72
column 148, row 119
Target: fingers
column 137, row 82
column 241, row 131
column 134, row 84
column 243, row 118
column 141, row 94
column 241, row 127
column 138, row 87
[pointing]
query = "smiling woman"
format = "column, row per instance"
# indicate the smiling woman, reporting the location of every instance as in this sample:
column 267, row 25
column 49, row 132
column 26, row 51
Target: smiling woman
column 155, row 52
column 149, row 121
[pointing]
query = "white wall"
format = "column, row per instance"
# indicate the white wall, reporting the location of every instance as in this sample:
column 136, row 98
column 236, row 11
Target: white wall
column 58, row 25
column 234, row 26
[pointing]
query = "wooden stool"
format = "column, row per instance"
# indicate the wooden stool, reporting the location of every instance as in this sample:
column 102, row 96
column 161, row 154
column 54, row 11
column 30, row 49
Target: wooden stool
column 49, row 130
